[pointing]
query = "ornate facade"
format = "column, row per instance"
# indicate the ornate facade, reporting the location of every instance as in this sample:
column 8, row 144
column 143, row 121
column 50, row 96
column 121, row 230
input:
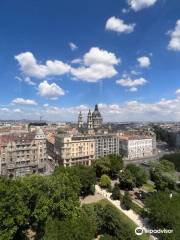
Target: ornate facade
column 94, row 121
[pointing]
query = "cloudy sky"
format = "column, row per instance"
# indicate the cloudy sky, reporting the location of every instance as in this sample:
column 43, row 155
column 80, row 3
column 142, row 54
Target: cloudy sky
column 60, row 57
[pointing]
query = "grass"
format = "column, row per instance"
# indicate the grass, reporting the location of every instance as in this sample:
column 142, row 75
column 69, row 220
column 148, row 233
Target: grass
column 136, row 208
column 125, row 219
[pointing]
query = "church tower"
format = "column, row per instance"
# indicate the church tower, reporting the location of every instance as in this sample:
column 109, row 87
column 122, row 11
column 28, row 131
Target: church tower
column 89, row 122
column 80, row 121
column 97, row 118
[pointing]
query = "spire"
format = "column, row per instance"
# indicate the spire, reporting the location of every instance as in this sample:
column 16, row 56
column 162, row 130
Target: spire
column 89, row 119
column 80, row 120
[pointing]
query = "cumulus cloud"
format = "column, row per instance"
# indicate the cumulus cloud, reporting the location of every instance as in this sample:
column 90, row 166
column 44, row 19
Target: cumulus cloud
column 22, row 101
column 30, row 67
column 73, row 46
column 144, row 61
column 118, row 25
column 97, row 64
column 162, row 110
column 137, row 5
column 50, row 91
column 131, row 84
column 174, row 43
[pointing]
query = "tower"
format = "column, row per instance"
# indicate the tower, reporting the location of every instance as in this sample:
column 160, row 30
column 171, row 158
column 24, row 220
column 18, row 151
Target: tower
column 80, row 121
column 89, row 122
column 96, row 118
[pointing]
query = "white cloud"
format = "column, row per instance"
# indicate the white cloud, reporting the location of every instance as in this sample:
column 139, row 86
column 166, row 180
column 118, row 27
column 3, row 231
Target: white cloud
column 26, row 80
column 4, row 109
column 17, row 110
column 30, row 67
column 162, row 110
column 177, row 92
column 29, row 81
column 131, row 84
column 76, row 61
column 144, row 61
column 137, row 5
column 73, row 46
column 50, row 91
column 22, row 101
column 100, row 56
column 174, row 43
column 46, row 105
column 97, row 64
column 118, row 25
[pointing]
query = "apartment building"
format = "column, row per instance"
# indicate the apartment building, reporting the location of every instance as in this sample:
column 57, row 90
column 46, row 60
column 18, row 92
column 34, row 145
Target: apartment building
column 72, row 150
column 106, row 144
column 135, row 147
column 83, row 149
column 21, row 154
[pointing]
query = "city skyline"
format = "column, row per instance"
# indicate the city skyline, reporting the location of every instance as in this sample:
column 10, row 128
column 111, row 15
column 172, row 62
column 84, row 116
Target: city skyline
column 59, row 58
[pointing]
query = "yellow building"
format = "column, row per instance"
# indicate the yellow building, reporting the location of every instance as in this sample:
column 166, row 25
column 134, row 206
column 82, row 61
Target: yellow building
column 73, row 150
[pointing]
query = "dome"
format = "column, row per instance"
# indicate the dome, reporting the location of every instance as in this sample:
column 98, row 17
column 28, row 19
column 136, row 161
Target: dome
column 96, row 112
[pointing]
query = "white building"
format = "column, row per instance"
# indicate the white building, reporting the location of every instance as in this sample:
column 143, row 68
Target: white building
column 135, row 147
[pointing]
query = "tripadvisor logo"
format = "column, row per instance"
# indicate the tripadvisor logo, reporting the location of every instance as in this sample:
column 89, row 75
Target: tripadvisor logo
column 139, row 231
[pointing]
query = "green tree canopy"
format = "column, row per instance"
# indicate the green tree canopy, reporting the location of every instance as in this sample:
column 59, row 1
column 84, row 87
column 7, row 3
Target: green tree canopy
column 126, row 201
column 109, row 165
column 164, row 212
column 163, row 174
column 105, row 181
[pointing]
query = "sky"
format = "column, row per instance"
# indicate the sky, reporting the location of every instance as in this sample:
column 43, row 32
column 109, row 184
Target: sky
column 61, row 57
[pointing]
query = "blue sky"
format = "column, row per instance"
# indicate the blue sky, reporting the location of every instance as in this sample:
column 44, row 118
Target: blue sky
column 59, row 57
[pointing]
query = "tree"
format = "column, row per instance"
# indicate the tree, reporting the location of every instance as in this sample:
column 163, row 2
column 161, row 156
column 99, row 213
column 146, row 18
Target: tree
column 126, row 201
column 116, row 164
column 105, row 181
column 116, row 192
column 87, row 177
column 27, row 202
column 102, row 166
column 111, row 223
column 164, row 212
column 138, row 173
column 163, row 174
column 126, row 180
column 13, row 210
column 109, row 165
column 80, row 227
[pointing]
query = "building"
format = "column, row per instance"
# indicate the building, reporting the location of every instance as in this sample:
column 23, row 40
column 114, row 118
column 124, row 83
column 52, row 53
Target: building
column 134, row 147
column 83, row 149
column 21, row 154
column 94, row 122
column 72, row 150
column 106, row 144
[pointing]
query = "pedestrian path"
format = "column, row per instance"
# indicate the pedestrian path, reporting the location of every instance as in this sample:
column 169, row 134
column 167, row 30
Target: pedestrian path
column 129, row 213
